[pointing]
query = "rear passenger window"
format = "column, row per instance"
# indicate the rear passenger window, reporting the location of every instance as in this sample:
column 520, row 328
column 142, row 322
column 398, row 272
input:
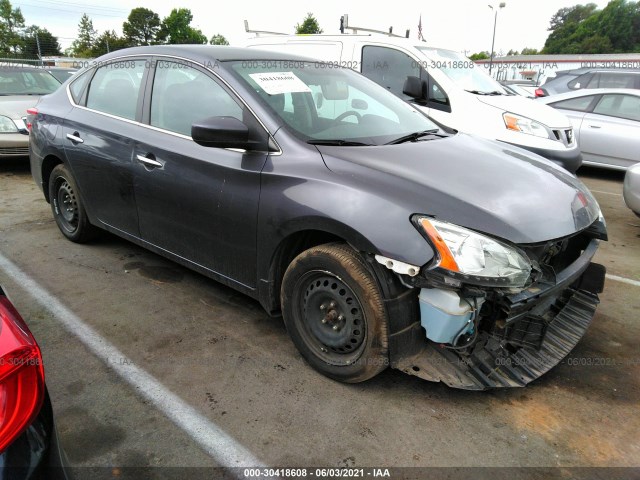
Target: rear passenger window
column 580, row 104
column 115, row 88
column 182, row 95
column 616, row 80
column 77, row 87
column 389, row 68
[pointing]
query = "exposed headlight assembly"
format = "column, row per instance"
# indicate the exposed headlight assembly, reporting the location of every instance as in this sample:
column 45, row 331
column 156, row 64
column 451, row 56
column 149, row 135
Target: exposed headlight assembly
column 521, row 124
column 474, row 258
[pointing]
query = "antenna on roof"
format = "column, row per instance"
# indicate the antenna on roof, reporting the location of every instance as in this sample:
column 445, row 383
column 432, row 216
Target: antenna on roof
column 258, row 32
column 344, row 25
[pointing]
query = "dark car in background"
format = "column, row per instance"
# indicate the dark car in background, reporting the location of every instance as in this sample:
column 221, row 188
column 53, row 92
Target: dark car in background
column 380, row 238
column 20, row 88
column 29, row 447
column 579, row 78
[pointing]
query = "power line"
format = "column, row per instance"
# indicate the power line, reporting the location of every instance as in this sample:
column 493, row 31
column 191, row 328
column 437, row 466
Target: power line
column 40, row 7
column 84, row 5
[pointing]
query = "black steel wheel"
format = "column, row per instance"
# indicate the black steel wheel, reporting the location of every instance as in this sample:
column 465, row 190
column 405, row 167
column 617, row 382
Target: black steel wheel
column 68, row 210
column 334, row 313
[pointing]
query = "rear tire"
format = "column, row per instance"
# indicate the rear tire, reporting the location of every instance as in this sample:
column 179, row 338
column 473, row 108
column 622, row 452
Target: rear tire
column 334, row 313
column 67, row 207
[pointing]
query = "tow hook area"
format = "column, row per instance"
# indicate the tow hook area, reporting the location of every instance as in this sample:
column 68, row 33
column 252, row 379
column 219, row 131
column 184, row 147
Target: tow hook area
column 398, row 266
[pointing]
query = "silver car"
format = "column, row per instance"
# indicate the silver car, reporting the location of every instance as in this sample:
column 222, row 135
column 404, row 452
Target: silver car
column 21, row 86
column 606, row 123
column 632, row 188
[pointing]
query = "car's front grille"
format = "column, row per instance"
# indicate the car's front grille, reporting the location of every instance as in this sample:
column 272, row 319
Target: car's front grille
column 565, row 136
column 14, row 150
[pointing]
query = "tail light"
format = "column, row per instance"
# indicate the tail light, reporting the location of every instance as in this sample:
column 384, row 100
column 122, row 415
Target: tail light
column 31, row 116
column 21, row 375
column 540, row 92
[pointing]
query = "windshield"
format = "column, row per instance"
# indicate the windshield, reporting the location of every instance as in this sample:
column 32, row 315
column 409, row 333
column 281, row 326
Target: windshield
column 331, row 105
column 20, row 81
column 463, row 71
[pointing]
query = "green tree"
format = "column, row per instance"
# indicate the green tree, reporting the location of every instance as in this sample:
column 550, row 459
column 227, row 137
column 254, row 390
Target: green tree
column 309, row 25
column 616, row 22
column 218, row 39
column 141, row 27
column 11, row 26
column 107, row 42
column 585, row 29
column 81, row 46
column 479, row 56
column 564, row 26
column 176, row 28
column 512, row 52
column 49, row 44
column 529, row 51
column 595, row 44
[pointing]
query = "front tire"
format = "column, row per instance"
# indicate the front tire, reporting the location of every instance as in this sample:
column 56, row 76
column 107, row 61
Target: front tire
column 334, row 312
column 66, row 205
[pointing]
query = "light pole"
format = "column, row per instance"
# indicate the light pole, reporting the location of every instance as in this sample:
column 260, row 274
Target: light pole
column 495, row 21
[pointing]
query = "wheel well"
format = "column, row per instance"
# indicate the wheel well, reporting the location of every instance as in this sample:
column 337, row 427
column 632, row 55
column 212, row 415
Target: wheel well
column 48, row 164
column 290, row 248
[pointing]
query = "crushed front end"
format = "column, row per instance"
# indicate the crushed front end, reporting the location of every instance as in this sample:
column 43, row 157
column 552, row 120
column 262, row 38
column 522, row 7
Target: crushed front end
column 475, row 335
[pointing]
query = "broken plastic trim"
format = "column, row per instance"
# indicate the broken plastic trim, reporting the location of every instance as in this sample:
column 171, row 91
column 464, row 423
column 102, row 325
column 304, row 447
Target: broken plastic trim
column 398, row 266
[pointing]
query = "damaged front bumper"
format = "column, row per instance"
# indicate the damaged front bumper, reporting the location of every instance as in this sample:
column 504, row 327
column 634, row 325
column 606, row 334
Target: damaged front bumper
column 535, row 330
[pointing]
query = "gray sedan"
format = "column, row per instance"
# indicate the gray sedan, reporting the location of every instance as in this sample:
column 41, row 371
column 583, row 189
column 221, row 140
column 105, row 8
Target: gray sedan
column 606, row 123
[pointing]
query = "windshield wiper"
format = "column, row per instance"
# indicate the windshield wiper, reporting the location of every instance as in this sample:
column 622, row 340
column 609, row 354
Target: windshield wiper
column 478, row 92
column 412, row 137
column 337, row 142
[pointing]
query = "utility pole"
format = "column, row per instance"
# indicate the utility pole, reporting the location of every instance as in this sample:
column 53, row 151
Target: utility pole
column 495, row 21
column 39, row 51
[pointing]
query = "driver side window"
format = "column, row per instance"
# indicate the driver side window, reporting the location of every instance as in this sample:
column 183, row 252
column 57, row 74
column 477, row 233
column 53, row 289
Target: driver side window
column 182, row 95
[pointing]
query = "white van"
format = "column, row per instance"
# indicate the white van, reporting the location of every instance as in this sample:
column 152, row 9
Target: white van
column 445, row 84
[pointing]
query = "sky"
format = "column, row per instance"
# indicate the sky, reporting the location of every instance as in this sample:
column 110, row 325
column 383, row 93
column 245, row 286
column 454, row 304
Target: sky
column 463, row 25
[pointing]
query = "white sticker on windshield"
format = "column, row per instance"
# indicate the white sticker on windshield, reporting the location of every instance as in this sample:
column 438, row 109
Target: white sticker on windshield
column 279, row 82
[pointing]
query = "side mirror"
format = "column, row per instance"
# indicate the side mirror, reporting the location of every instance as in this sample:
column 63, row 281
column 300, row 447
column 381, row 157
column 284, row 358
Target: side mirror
column 222, row 132
column 413, row 87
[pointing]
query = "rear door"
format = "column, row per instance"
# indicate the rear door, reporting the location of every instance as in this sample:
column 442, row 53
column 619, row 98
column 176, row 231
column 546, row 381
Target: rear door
column 610, row 134
column 198, row 203
column 98, row 137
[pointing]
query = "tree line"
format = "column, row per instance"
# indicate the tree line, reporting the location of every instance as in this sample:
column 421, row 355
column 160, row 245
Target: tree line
column 18, row 39
column 142, row 27
column 585, row 29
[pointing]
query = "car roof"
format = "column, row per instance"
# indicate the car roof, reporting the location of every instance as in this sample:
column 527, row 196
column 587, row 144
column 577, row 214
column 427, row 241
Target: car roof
column 584, row 92
column 204, row 53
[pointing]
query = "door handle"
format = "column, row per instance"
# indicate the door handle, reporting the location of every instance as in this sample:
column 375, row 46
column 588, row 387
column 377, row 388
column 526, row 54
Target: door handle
column 75, row 137
column 595, row 126
column 149, row 162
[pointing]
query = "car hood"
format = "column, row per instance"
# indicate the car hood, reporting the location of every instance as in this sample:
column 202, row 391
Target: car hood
column 16, row 106
column 527, row 107
column 480, row 184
